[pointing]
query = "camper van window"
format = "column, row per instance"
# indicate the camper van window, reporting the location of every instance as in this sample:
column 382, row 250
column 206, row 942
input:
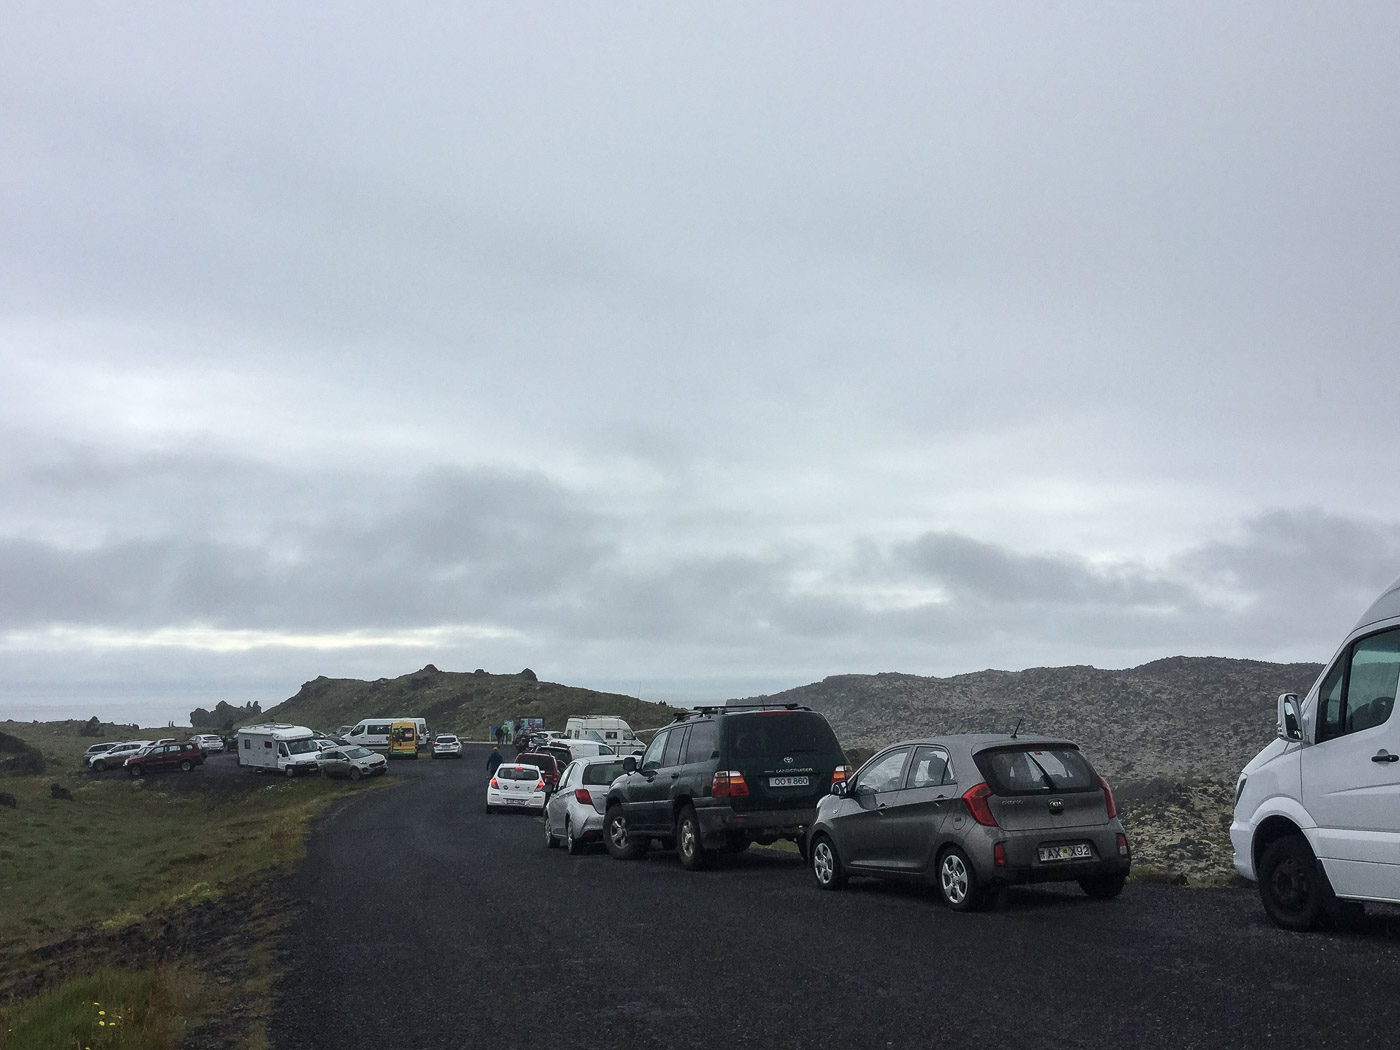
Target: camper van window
column 301, row 747
column 282, row 750
column 267, row 743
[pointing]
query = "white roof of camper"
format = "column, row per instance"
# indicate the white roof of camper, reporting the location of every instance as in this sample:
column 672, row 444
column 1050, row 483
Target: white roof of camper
column 1383, row 608
column 277, row 729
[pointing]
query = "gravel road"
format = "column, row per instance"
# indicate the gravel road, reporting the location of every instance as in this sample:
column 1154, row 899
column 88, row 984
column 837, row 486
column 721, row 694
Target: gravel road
column 422, row 922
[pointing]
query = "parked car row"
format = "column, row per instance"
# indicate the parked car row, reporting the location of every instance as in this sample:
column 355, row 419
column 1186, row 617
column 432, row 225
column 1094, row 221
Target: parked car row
column 140, row 757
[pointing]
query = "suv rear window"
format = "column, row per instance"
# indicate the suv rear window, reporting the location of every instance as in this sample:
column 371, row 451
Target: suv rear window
column 1025, row 771
column 779, row 733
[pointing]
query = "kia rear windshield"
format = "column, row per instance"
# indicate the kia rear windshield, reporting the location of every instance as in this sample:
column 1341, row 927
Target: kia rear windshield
column 780, row 733
column 1025, row 771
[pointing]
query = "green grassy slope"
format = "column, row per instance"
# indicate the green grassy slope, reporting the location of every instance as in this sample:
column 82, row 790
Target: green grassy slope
column 467, row 703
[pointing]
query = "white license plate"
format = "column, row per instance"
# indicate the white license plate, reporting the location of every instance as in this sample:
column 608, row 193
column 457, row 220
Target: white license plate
column 789, row 782
column 1079, row 851
column 516, row 801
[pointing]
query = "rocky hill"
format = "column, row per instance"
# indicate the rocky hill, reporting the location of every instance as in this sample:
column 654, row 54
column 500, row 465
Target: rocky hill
column 461, row 702
column 1168, row 720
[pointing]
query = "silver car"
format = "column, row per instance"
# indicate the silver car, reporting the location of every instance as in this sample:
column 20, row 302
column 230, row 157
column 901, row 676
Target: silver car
column 972, row 814
column 575, row 809
column 354, row 762
column 115, row 757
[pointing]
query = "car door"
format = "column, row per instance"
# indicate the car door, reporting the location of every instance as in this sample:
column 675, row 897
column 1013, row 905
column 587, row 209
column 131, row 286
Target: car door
column 660, row 791
column 644, row 789
column 860, row 827
column 1351, row 773
column 914, row 814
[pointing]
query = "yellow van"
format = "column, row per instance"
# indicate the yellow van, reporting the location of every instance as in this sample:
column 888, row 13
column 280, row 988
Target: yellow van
column 403, row 740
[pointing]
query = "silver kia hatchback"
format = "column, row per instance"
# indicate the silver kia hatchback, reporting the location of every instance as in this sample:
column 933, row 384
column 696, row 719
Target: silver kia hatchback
column 971, row 814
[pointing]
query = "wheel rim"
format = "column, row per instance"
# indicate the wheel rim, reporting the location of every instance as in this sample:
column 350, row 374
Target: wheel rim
column 1291, row 885
column 548, row 831
column 954, row 879
column 186, row 766
column 617, row 832
column 823, row 863
column 569, row 835
column 687, row 838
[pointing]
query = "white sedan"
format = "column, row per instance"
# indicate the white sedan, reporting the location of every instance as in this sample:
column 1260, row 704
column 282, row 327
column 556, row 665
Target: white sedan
column 515, row 786
column 445, row 745
column 575, row 811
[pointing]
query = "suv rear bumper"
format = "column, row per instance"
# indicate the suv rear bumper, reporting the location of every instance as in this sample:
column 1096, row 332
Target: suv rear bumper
column 720, row 822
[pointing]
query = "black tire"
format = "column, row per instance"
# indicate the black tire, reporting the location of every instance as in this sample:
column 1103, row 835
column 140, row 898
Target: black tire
column 186, row 765
column 694, row 856
column 291, row 771
column 99, row 766
column 135, row 771
column 621, row 845
column 575, row 846
column 1103, row 887
column 549, row 840
column 826, row 865
column 1293, row 886
column 355, row 773
column 737, row 844
column 958, row 882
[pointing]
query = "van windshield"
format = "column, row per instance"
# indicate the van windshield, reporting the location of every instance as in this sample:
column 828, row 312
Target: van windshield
column 301, row 747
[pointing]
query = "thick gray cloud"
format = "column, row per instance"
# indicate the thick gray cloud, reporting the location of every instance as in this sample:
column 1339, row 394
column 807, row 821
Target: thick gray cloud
column 694, row 351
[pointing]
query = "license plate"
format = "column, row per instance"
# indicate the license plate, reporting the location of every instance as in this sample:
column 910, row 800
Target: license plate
column 516, row 801
column 1079, row 851
column 789, row 782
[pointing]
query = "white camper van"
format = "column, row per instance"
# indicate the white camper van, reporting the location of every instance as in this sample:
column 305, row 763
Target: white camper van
column 279, row 748
column 1317, row 812
column 604, row 729
column 374, row 732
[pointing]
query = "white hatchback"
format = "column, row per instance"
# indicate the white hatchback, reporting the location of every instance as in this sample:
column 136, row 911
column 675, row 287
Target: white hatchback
column 574, row 813
column 515, row 787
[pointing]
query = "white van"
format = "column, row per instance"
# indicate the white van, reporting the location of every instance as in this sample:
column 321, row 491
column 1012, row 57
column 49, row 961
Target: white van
column 605, row 729
column 279, row 748
column 1317, row 812
column 374, row 732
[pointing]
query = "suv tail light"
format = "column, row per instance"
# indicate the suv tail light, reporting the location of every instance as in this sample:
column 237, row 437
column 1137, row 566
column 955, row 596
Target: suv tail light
column 976, row 800
column 729, row 783
column 839, row 774
column 583, row 797
column 1108, row 802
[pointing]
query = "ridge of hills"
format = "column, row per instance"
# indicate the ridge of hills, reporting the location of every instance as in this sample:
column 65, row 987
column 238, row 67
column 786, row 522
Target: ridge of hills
column 461, row 702
column 1170, row 719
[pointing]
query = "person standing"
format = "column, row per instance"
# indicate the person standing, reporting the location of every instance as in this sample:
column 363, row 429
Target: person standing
column 493, row 761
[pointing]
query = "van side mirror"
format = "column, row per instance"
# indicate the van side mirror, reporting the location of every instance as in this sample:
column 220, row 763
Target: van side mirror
column 629, row 764
column 1290, row 717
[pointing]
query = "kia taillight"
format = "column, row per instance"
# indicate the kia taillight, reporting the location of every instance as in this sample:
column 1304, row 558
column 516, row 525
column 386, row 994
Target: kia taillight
column 1108, row 802
column 999, row 854
column 976, row 801
column 840, row 773
column 729, row 783
column 1122, row 845
column 583, row 797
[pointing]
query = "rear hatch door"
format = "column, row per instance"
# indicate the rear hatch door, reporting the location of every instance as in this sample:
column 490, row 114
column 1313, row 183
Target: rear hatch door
column 1042, row 788
column 787, row 758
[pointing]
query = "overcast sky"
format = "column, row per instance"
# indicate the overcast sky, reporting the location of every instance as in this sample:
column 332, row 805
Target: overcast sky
column 687, row 351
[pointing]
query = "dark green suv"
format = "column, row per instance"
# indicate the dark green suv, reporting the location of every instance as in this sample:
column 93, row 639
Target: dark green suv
column 720, row 778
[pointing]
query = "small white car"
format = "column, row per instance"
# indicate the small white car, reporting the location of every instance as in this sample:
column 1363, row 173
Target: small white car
column 209, row 743
column 515, row 786
column 574, row 813
column 445, row 745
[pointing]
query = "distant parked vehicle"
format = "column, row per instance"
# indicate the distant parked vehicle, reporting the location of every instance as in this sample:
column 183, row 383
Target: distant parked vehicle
column 161, row 757
column 97, row 749
column 971, row 814
column 604, row 729
column 548, row 765
column 115, row 756
column 574, row 812
column 515, row 786
column 209, row 743
column 446, row 745
column 1317, row 812
column 278, row 748
column 353, row 761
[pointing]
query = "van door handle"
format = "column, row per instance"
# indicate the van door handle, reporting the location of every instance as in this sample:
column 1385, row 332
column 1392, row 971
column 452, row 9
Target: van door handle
column 675, row 776
column 1384, row 756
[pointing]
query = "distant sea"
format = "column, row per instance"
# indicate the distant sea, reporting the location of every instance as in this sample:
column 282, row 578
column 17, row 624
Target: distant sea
column 150, row 713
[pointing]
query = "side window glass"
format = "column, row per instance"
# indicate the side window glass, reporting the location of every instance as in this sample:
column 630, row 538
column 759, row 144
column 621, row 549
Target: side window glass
column 655, row 749
column 885, row 772
column 675, row 746
column 929, row 768
column 1329, row 703
column 704, row 741
column 1371, row 681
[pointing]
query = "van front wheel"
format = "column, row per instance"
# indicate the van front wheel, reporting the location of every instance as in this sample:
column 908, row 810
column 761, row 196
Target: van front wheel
column 1292, row 884
column 291, row 771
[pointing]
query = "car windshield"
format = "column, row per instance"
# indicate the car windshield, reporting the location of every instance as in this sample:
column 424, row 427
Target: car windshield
column 356, row 752
column 780, row 733
column 1017, row 771
column 602, row 772
column 301, row 747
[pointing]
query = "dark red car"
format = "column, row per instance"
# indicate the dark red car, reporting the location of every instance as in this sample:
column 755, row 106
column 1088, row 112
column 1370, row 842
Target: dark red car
column 159, row 757
column 550, row 767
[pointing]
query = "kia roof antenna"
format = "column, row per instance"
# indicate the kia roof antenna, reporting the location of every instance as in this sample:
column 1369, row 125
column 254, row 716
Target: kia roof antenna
column 1018, row 727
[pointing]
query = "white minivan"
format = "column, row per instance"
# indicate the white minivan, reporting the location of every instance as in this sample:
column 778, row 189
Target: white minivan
column 1317, row 812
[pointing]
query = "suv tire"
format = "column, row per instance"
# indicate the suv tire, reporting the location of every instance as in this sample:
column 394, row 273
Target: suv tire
column 1293, row 886
column 135, row 771
column 186, row 765
column 621, row 845
column 694, row 856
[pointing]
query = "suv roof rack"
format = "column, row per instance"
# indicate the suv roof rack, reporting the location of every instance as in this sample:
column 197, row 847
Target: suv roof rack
column 710, row 709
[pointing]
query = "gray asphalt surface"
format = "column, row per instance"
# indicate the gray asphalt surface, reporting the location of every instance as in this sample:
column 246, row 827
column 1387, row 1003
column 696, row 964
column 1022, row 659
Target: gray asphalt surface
column 422, row 921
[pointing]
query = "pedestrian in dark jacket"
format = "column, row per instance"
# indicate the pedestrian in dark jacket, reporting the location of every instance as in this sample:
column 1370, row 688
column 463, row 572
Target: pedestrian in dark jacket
column 493, row 760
